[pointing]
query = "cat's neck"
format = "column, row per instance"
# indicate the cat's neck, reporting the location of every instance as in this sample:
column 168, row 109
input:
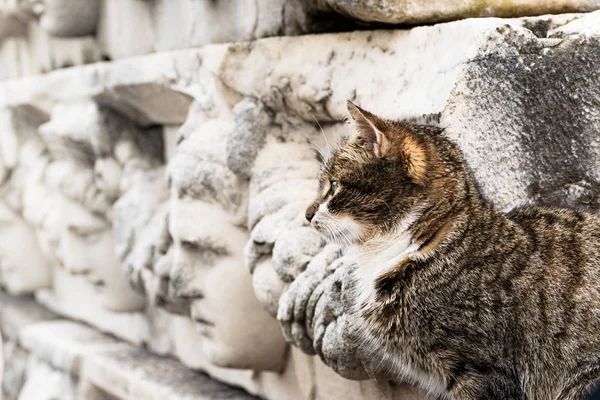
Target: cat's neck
column 411, row 241
column 374, row 259
column 382, row 253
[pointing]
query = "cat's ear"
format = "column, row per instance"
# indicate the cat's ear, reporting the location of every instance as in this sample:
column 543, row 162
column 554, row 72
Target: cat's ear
column 416, row 159
column 372, row 138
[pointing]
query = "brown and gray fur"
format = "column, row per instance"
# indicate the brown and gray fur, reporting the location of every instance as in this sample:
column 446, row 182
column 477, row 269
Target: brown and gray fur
column 465, row 301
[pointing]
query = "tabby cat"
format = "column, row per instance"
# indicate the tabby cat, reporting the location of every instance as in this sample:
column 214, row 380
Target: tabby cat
column 459, row 298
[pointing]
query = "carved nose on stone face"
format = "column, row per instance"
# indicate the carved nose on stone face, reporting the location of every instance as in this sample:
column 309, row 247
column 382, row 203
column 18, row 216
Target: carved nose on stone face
column 310, row 213
column 176, row 287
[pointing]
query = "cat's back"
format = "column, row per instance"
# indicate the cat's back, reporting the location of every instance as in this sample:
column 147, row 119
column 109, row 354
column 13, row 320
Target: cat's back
column 554, row 231
column 561, row 298
column 565, row 245
column 562, row 288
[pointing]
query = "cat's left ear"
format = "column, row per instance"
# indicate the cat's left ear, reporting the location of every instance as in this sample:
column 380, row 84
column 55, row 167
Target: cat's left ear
column 374, row 133
column 366, row 124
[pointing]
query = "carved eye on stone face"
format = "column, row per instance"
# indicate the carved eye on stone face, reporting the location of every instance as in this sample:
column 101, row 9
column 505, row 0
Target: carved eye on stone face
column 190, row 246
column 205, row 251
column 88, row 235
column 209, row 257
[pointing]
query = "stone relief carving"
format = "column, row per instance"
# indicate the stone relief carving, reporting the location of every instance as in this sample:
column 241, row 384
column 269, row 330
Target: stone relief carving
column 276, row 153
column 167, row 246
column 209, row 238
column 275, row 158
column 142, row 241
column 206, row 215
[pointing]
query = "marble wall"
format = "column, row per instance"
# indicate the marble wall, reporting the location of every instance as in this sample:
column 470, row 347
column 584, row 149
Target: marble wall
column 160, row 199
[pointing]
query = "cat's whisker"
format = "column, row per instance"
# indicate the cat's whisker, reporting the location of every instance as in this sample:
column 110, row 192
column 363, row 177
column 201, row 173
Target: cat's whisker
column 323, row 133
column 387, row 205
column 335, row 233
column 345, row 236
column 340, row 234
column 320, row 153
column 342, row 238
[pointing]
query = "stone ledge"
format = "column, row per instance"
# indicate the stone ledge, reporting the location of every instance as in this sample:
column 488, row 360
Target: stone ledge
column 131, row 373
column 18, row 312
column 418, row 12
column 102, row 361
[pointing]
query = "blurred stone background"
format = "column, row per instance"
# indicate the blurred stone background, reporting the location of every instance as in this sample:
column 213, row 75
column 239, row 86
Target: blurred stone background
column 157, row 156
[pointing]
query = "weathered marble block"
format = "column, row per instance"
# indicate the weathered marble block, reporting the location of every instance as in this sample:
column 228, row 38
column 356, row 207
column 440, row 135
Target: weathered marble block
column 52, row 358
column 43, row 35
column 195, row 167
column 431, row 11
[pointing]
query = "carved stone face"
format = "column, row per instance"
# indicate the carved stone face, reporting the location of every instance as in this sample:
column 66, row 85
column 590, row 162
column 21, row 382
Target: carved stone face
column 208, row 268
column 86, row 248
column 67, row 18
column 21, row 271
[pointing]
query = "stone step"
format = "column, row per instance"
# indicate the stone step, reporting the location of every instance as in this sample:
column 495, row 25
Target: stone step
column 70, row 358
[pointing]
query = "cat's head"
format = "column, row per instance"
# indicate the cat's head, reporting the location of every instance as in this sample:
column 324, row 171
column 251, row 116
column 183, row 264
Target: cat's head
column 382, row 178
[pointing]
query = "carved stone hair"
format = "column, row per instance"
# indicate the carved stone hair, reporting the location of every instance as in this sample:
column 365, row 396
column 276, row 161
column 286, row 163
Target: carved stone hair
column 68, row 136
column 135, row 209
column 199, row 171
column 79, row 135
column 21, row 149
column 39, row 213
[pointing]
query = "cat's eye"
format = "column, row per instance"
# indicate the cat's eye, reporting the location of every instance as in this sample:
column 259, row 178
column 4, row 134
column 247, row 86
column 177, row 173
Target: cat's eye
column 332, row 188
